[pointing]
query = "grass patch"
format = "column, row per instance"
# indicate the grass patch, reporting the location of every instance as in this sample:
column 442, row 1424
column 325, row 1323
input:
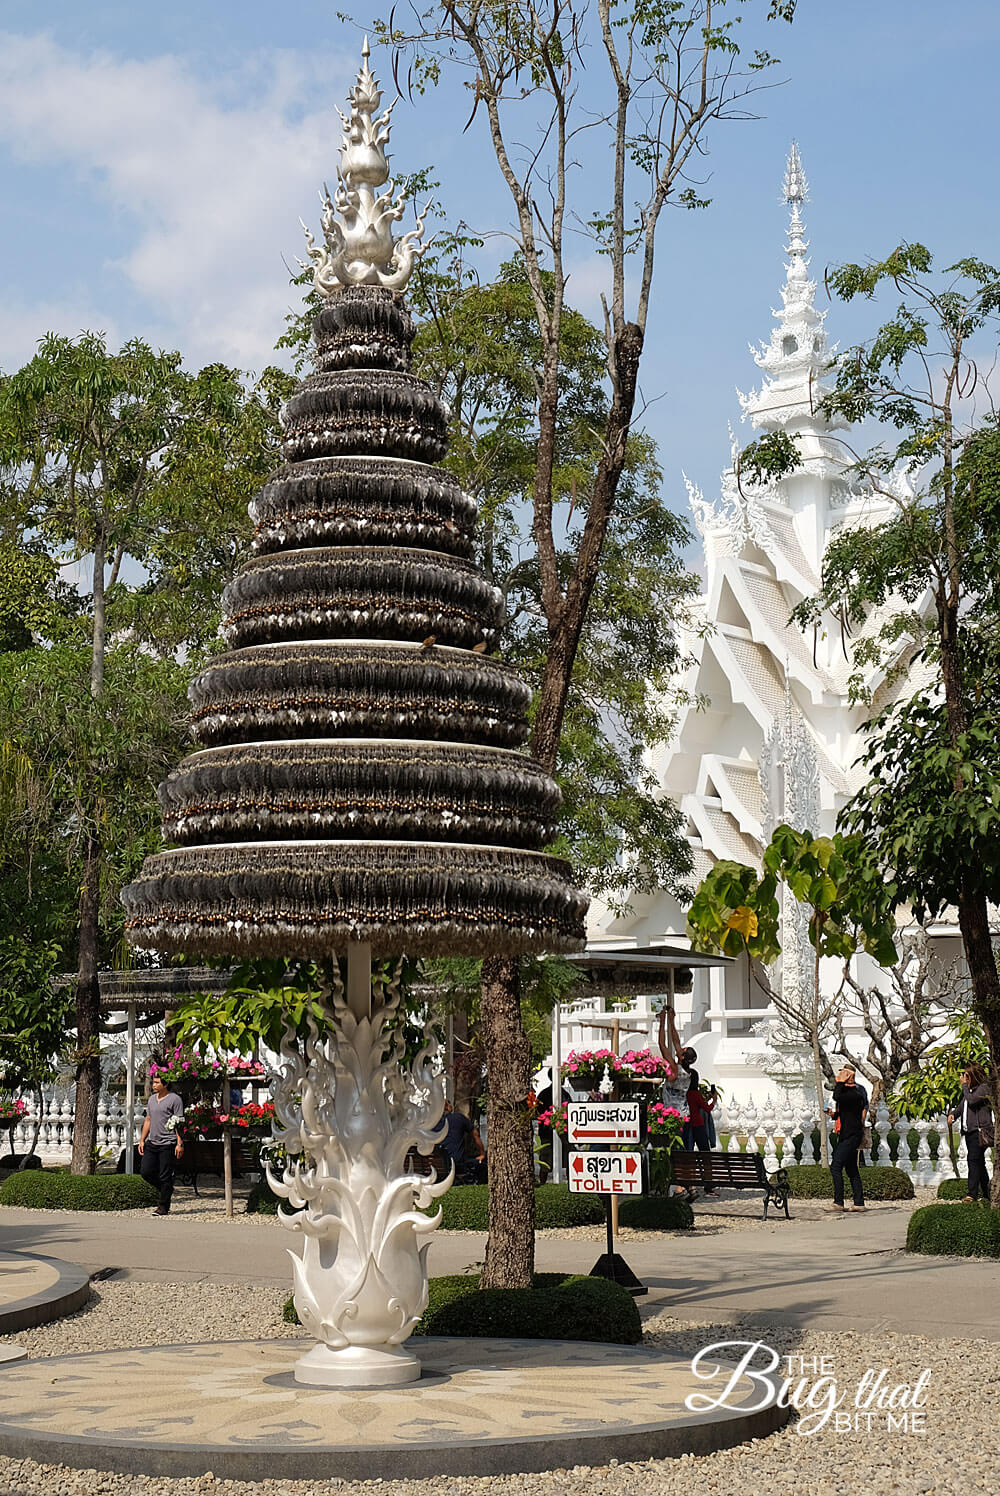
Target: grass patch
column 42, row 1190
column 558, row 1306
column 955, row 1231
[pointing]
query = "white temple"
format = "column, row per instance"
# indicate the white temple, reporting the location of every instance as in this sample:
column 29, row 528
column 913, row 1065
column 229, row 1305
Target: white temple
column 774, row 737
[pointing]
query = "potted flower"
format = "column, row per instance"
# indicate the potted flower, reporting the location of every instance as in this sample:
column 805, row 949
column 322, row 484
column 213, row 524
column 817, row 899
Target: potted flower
column 554, row 1117
column 13, row 1109
column 583, row 1069
column 641, row 1074
column 186, row 1069
column 240, row 1069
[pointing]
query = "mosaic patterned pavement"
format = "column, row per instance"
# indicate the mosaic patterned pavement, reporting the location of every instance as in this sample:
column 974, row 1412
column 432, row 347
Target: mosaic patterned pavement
column 24, row 1277
column 173, row 1404
column 34, row 1290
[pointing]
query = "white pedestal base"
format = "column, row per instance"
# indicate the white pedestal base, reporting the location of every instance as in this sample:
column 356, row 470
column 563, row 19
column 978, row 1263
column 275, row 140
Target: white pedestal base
column 357, row 1366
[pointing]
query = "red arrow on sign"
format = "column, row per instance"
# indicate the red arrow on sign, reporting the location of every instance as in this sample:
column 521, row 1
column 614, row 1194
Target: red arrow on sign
column 578, row 1163
column 631, row 1164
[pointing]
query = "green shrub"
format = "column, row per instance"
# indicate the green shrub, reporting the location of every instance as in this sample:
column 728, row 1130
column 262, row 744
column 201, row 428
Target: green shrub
column 952, row 1189
column 557, row 1307
column 466, row 1208
column 813, row 1182
column 262, row 1200
column 655, row 1213
column 955, row 1231
column 59, row 1191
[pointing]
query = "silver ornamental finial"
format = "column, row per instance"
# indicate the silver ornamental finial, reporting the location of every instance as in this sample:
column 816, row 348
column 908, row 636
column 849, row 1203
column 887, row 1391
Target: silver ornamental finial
column 357, row 226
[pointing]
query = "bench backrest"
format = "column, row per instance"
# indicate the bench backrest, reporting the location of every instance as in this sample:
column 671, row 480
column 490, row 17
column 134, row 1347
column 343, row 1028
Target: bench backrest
column 734, row 1169
column 205, row 1155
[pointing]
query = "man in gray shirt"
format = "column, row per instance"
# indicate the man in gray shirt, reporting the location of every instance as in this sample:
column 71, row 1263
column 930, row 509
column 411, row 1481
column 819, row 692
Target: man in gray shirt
column 161, row 1143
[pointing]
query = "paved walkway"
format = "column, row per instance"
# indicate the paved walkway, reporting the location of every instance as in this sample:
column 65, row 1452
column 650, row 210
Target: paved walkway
column 480, row 1407
column 817, row 1270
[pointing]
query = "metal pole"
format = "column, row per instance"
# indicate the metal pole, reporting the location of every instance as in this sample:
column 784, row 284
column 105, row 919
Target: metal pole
column 359, row 979
column 130, row 1092
column 557, row 1152
column 449, row 1059
column 616, row 1039
column 227, row 1149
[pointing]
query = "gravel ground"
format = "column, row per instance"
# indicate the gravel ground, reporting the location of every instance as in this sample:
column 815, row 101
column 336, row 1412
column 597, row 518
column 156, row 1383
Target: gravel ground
column 953, row 1458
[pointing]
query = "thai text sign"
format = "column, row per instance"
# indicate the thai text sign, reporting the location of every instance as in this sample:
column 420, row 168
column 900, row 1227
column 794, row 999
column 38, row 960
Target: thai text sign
column 605, row 1173
column 604, row 1124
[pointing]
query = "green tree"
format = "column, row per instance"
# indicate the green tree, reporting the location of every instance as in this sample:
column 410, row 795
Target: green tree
column 927, row 574
column 133, row 470
column 647, row 82
column 735, row 910
column 935, row 1088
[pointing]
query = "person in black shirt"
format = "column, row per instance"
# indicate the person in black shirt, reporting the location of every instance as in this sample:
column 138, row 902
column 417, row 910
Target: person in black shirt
column 458, row 1131
column 850, row 1107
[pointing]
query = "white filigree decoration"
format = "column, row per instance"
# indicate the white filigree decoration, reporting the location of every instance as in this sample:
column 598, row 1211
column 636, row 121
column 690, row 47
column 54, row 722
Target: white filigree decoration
column 738, row 517
column 359, row 248
column 349, row 1110
column 789, row 777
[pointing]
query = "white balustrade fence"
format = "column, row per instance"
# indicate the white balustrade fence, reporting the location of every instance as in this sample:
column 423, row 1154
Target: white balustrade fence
column 55, row 1137
column 775, row 1129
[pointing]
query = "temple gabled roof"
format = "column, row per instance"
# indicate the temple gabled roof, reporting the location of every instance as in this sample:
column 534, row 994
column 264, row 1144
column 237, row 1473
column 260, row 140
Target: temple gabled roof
column 780, row 707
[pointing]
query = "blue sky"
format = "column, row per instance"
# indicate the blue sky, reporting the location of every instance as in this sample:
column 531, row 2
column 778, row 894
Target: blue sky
column 155, row 160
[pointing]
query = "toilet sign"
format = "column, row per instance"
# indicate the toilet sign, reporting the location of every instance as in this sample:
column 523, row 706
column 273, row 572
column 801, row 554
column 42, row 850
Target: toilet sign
column 604, row 1124
column 605, row 1173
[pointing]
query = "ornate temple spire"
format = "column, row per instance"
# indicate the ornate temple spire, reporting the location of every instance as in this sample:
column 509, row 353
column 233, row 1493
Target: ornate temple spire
column 797, row 354
column 796, row 193
column 360, row 249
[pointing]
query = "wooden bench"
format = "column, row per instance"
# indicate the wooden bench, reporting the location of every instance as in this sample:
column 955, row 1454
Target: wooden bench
column 732, row 1171
column 204, row 1156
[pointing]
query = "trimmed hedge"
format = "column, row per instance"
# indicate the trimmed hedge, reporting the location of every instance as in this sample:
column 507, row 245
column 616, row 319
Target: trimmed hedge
column 557, row 1307
column 655, row 1213
column 953, row 1189
column 955, row 1231
column 466, row 1208
column 52, row 1191
column 813, row 1182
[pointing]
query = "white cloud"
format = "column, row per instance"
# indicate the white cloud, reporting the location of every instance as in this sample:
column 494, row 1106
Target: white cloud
column 24, row 324
column 209, row 180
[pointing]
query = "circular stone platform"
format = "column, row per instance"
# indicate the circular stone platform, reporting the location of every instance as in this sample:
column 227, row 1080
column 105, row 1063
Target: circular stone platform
column 481, row 1407
column 35, row 1290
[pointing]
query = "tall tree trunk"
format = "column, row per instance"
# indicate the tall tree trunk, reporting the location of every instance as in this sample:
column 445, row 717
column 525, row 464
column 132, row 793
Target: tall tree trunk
column 974, row 922
column 88, row 1009
column 510, row 1249
column 88, row 991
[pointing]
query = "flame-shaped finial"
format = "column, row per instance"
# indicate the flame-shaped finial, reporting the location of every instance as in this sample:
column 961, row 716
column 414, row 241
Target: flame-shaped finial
column 360, row 249
column 796, row 186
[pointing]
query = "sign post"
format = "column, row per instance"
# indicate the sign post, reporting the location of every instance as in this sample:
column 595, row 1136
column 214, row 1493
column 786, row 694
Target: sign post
column 599, row 1127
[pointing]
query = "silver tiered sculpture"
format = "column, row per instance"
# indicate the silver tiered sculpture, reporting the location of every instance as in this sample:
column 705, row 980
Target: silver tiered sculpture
column 358, row 786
